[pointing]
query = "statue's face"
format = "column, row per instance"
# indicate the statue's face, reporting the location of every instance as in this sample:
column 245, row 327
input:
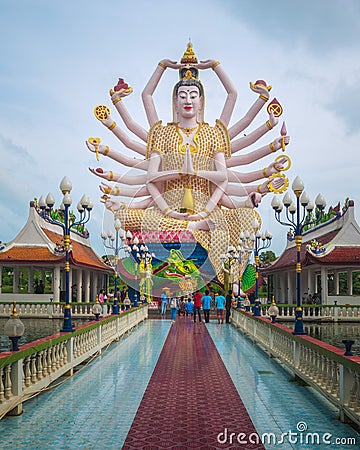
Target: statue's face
column 188, row 101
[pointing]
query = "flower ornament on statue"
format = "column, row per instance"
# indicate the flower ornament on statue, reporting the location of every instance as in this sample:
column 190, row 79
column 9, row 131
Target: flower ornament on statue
column 261, row 88
column 120, row 91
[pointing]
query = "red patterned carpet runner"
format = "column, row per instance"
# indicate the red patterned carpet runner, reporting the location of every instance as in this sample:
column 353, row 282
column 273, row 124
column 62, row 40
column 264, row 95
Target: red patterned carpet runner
column 190, row 399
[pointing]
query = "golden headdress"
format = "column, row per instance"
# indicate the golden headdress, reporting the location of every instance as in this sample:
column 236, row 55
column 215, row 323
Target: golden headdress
column 189, row 72
column 189, row 56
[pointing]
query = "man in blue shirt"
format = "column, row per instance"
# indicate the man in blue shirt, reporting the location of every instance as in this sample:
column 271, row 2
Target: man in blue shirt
column 206, row 302
column 164, row 301
column 220, row 305
column 189, row 307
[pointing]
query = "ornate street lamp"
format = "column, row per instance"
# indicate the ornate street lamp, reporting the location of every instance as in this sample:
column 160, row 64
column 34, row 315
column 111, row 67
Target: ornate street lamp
column 143, row 262
column 67, row 224
column 14, row 329
column 297, row 220
column 255, row 242
column 228, row 261
column 108, row 239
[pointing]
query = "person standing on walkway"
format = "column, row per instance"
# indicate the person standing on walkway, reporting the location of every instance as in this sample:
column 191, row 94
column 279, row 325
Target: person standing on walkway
column 181, row 306
column 206, row 304
column 189, row 307
column 101, row 300
column 122, row 296
column 164, row 301
column 197, row 305
column 228, row 305
column 173, row 308
column 220, row 305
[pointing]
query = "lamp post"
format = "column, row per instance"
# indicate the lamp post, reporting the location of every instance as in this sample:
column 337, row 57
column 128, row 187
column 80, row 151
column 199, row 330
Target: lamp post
column 84, row 207
column 228, row 260
column 256, row 242
column 14, row 329
column 108, row 240
column 96, row 309
column 297, row 220
column 143, row 261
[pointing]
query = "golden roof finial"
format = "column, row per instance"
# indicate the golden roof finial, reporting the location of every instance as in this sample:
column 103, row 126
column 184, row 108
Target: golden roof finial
column 189, row 56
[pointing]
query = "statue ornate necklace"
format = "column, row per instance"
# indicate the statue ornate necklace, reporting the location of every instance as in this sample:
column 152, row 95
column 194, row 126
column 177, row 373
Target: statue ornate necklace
column 189, row 140
column 188, row 131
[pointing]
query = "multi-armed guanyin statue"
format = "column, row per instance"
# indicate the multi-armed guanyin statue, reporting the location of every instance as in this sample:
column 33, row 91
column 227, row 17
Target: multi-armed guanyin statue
column 187, row 181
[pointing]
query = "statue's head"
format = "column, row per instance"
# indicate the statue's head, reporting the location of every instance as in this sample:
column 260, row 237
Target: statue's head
column 189, row 84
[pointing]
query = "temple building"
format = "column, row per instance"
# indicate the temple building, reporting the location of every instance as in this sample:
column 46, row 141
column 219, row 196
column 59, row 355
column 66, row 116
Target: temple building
column 35, row 261
column 330, row 262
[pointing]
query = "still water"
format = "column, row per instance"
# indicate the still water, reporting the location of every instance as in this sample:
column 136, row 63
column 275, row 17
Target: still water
column 35, row 329
column 332, row 333
column 335, row 333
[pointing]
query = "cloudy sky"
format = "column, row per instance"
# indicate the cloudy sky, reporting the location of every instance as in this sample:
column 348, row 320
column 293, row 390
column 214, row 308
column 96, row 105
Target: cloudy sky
column 60, row 58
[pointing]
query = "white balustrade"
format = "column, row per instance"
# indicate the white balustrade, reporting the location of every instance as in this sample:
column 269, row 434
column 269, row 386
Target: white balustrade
column 26, row 372
column 286, row 312
column 330, row 372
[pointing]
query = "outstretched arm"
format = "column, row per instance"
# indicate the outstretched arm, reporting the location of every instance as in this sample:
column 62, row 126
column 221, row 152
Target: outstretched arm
column 122, row 90
column 252, row 201
column 105, row 119
column 250, row 157
column 118, row 177
column 94, row 146
column 274, row 167
column 228, row 85
column 149, row 89
column 116, row 205
column 123, row 191
column 255, row 135
column 241, row 191
column 263, row 91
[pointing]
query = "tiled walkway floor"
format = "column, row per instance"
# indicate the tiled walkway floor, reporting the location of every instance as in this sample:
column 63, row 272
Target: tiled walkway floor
column 190, row 397
column 275, row 403
column 94, row 409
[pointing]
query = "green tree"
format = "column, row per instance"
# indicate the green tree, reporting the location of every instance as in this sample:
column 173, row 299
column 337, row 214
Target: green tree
column 267, row 257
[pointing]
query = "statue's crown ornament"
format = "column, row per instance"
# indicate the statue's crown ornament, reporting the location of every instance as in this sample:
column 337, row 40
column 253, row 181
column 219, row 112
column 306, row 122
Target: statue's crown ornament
column 189, row 72
column 189, row 56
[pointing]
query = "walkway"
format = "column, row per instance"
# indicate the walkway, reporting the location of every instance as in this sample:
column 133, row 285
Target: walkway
column 190, row 398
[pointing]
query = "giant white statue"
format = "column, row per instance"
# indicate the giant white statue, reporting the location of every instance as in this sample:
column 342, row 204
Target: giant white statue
column 188, row 180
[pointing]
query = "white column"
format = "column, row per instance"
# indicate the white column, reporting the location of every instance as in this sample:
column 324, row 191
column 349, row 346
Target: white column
column 312, row 281
column 336, row 282
column 31, row 281
column 79, row 277
column 324, row 286
column 86, row 285
column 289, row 287
column 16, row 274
column 70, row 281
column 94, row 283
column 279, row 297
column 350, row 282
column 309, row 281
column 56, row 283
column 283, row 284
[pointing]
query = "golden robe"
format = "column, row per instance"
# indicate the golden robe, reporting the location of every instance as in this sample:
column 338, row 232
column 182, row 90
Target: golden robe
column 226, row 224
